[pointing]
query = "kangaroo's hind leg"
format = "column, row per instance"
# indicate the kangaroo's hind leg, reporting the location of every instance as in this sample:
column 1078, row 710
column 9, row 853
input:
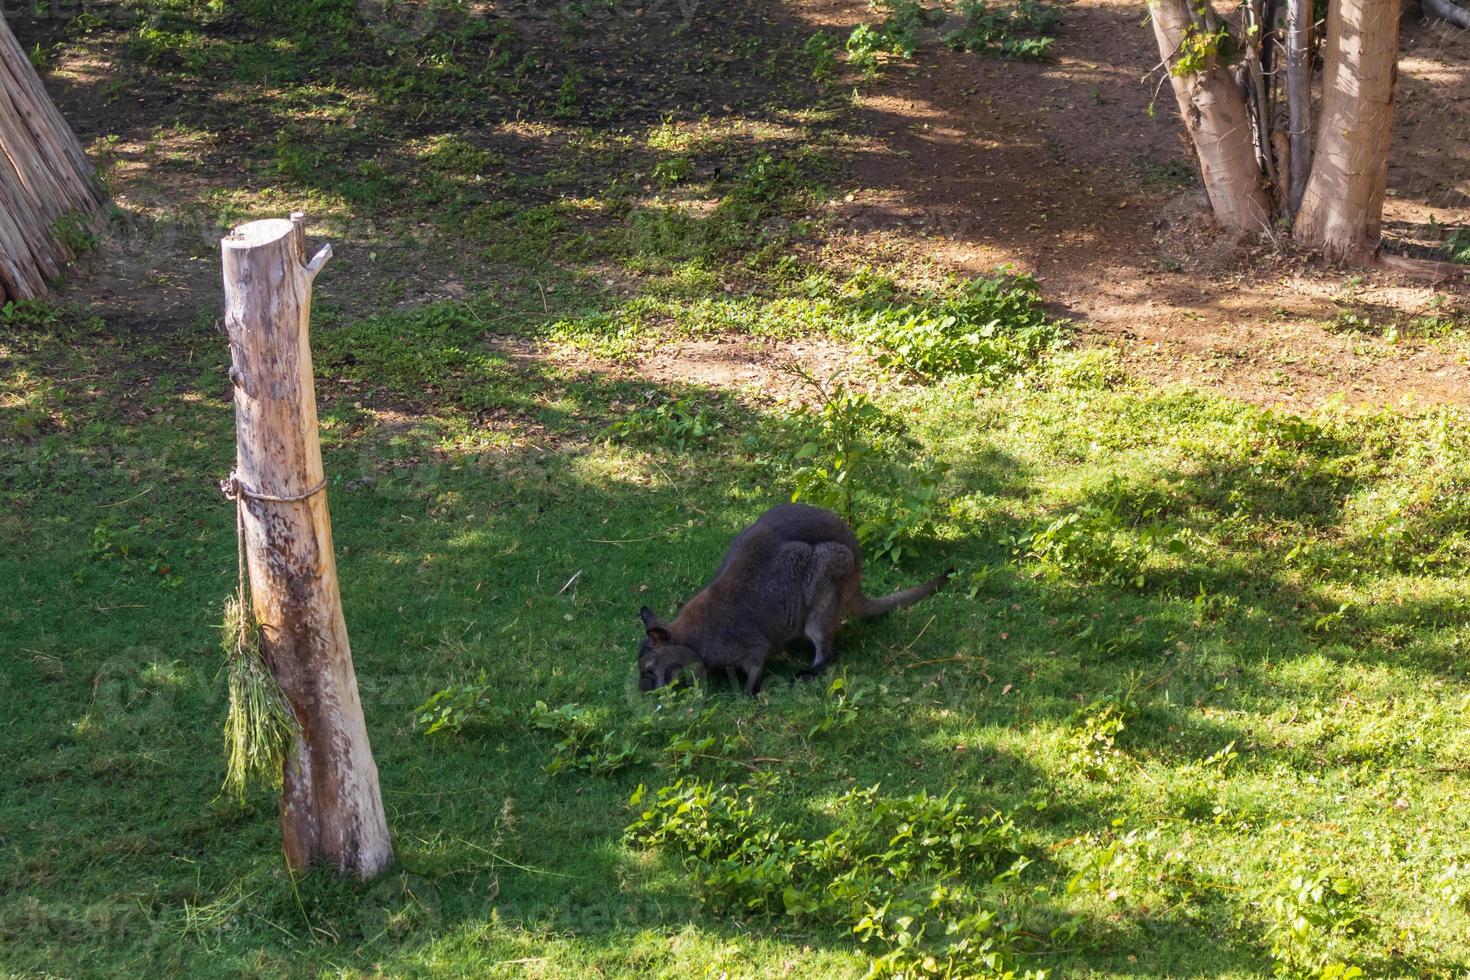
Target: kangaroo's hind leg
column 833, row 565
column 754, row 668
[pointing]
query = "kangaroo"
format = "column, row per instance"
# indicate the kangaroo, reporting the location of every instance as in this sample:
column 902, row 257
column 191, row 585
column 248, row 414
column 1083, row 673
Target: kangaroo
column 796, row 571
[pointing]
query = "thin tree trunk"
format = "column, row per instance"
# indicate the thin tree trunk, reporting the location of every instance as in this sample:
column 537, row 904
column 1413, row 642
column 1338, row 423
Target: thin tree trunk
column 1255, row 82
column 44, row 175
column 1218, row 123
column 1447, row 10
column 1342, row 208
column 331, row 806
column 1299, row 98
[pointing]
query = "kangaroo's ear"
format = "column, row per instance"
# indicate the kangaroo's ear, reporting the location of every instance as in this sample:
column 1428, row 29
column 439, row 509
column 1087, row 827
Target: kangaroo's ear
column 657, row 631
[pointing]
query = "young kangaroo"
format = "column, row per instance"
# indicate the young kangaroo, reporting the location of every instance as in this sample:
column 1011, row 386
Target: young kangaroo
column 797, row 571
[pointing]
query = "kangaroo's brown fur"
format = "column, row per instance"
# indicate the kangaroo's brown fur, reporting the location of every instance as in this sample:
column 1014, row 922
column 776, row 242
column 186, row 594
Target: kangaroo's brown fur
column 797, row 571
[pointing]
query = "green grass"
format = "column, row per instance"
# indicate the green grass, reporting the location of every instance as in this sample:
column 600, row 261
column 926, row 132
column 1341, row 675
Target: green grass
column 1199, row 680
column 1241, row 665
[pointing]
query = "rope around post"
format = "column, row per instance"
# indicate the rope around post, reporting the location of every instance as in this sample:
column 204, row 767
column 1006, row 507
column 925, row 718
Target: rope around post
column 236, row 489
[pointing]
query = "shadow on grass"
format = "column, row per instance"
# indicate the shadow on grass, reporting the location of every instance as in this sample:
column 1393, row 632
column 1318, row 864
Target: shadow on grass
column 485, row 530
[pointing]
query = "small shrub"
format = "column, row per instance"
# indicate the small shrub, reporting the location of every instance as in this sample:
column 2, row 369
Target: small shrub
column 582, row 747
column 821, row 52
column 1109, row 540
column 858, row 461
column 993, row 328
column 674, row 170
column 676, row 424
column 568, row 97
column 74, row 233
column 863, row 46
column 1457, row 247
column 453, row 155
column 1201, row 48
column 1020, row 31
column 1305, row 916
column 32, row 314
column 1085, row 370
column 457, row 709
column 909, row 876
column 1096, row 728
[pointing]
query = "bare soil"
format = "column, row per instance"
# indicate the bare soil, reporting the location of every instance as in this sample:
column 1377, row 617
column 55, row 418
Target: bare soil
column 959, row 164
column 1056, row 168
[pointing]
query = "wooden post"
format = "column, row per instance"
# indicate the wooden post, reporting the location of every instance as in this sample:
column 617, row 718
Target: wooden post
column 331, row 806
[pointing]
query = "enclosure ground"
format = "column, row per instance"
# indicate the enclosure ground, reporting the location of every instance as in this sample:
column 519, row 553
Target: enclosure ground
column 1199, row 680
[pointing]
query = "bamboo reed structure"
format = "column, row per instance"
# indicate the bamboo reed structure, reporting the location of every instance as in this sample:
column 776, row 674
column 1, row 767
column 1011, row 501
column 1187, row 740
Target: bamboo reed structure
column 45, row 179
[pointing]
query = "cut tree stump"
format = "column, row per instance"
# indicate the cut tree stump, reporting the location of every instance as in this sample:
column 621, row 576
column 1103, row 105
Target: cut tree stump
column 44, row 178
column 331, row 807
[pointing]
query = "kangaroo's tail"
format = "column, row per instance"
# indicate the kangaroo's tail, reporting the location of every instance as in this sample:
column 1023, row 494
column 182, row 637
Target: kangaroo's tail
column 905, row 597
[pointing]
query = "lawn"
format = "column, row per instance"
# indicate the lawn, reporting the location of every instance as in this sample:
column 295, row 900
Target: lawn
column 1194, row 703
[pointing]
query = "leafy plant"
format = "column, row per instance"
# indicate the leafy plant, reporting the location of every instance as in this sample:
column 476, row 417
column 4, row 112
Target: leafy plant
column 863, row 46
column 32, row 314
column 909, row 876
column 1106, row 860
column 897, row 35
column 900, row 29
column 1200, row 48
column 839, row 708
column 458, row 708
column 676, row 424
column 857, row 461
column 821, row 52
column 1457, row 246
column 992, row 327
column 766, row 178
column 582, row 748
column 1020, row 31
column 111, row 541
column 674, row 170
column 693, row 743
column 1097, row 726
column 1305, row 916
column 74, row 233
column 1110, row 539
column 567, row 96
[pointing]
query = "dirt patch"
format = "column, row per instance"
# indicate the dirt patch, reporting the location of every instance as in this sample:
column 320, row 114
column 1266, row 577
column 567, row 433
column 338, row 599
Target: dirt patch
column 1057, row 168
column 958, row 163
column 757, row 368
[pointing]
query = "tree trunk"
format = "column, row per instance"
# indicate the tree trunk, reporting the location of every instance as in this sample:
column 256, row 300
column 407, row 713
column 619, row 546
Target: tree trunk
column 44, row 175
column 1342, row 208
column 1218, row 123
column 1299, row 98
column 331, row 806
column 1255, row 83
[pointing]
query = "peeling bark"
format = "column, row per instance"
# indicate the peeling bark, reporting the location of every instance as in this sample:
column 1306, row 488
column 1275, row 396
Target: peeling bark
column 1217, row 120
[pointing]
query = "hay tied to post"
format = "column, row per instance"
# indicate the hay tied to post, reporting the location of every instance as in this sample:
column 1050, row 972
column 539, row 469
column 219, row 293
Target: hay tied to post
column 260, row 728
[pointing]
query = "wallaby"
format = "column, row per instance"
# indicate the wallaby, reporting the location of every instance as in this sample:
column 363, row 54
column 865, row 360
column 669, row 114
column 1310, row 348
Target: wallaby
column 796, row 571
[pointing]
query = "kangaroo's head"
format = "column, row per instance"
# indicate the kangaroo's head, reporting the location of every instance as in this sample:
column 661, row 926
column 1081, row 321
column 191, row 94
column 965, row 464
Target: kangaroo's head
column 661, row 661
